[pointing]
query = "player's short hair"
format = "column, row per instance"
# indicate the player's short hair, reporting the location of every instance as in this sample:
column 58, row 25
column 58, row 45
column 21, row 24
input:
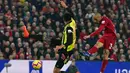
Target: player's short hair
column 96, row 15
column 67, row 17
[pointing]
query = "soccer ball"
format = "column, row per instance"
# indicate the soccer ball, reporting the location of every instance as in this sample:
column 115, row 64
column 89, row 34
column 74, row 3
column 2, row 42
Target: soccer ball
column 37, row 64
column 22, row 1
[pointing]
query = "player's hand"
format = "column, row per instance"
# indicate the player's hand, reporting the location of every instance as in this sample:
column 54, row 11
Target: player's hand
column 59, row 47
column 86, row 37
column 63, row 4
column 55, row 50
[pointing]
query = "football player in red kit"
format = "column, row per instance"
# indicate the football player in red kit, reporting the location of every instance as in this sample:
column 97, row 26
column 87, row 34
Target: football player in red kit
column 107, row 41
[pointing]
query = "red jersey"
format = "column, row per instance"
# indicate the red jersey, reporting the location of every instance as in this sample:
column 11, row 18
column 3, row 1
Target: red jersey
column 107, row 25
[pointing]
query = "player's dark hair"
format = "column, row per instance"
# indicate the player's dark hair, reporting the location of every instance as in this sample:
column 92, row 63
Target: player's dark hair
column 67, row 17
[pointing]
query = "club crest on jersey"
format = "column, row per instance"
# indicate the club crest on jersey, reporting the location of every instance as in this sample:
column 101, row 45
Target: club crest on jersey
column 103, row 22
column 69, row 31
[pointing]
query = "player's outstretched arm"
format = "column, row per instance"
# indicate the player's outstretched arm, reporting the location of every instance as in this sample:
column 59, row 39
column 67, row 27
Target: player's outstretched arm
column 63, row 4
column 67, row 8
column 97, row 31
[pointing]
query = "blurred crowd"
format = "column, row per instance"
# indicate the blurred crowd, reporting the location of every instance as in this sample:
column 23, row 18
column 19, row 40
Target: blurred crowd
column 44, row 17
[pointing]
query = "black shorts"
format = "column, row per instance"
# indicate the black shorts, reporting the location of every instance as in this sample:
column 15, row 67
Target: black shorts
column 64, row 57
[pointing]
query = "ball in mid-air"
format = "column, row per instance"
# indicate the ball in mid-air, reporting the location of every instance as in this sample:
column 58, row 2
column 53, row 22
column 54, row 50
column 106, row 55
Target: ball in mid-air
column 22, row 1
column 37, row 64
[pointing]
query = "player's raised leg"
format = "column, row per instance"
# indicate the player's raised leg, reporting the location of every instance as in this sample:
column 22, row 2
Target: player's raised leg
column 105, row 60
column 94, row 49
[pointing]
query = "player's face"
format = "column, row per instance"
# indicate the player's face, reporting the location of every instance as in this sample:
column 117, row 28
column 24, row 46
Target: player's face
column 96, row 20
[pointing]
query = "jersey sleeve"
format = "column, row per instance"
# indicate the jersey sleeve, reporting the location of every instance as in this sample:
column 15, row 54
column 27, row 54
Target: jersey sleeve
column 102, row 25
column 69, row 36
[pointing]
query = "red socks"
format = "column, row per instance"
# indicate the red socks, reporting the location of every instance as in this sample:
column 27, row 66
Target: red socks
column 94, row 49
column 104, row 64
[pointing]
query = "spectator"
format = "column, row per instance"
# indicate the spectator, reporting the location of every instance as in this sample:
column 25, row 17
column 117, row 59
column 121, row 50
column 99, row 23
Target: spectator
column 7, row 53
column 21, row 56
column 1, row 56
column 82, row 34
column 47, row 57
column 122, row 58
column 56, row 57
column 41, row 57
column 76, row 55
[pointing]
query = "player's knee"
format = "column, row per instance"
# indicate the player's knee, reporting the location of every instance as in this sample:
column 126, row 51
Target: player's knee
column 106, row 54
column 107, row 51
column 99, row 44
column 56, row 70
